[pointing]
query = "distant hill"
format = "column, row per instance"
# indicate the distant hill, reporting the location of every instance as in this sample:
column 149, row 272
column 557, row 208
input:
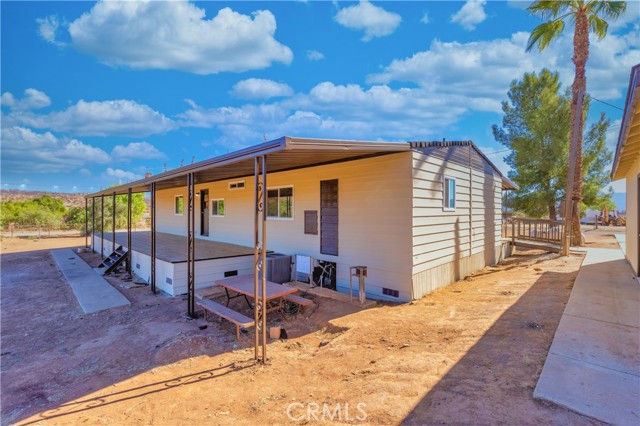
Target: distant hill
column 69, row 200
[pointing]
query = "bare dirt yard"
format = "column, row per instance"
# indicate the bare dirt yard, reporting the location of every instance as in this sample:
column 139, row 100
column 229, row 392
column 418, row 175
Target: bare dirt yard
column 468, row 354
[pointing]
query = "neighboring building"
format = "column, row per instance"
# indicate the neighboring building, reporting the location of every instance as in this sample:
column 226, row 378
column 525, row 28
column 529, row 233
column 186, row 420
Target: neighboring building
column 419, row 215
column 626, row 165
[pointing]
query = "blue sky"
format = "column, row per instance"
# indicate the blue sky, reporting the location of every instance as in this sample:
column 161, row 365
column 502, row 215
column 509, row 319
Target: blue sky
column 95, row 94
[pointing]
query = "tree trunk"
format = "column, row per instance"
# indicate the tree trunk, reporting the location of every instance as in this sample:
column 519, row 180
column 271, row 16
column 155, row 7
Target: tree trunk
column 553, row 214
column 580, row 56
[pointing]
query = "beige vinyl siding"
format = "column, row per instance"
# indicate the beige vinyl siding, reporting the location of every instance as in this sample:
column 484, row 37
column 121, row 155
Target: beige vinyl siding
column 448, row 245
column 166, row 219
column 374, row 218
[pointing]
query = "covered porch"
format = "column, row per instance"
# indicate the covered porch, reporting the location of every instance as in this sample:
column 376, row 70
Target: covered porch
column 284, row 154
column 172, row 248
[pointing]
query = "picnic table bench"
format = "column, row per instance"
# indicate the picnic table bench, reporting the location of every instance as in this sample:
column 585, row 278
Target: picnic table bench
column 240, row 320
column 299, row 300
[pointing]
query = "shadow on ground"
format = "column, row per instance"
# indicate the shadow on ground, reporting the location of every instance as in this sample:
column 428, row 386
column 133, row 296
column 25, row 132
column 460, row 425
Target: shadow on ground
column 503, row 365
column 53, row 353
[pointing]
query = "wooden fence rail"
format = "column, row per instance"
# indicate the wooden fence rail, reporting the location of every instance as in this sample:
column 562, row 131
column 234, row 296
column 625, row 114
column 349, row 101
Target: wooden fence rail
column 540, row 230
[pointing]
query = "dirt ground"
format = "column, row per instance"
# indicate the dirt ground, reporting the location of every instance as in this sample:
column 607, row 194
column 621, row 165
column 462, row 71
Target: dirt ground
column 28, row 244
column 467, row 354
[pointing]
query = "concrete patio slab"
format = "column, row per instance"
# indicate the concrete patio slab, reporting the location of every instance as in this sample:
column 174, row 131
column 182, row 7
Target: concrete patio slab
column 596, row 391
column 593, row 366
column 617, row 310
column 598, row 342
column 93, row 292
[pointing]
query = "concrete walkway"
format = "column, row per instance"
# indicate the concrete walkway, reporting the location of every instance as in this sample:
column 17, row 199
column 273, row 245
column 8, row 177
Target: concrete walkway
column 92, row 291
column 593, row 366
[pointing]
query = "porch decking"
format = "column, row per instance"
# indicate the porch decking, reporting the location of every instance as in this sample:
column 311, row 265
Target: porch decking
column 173, row 248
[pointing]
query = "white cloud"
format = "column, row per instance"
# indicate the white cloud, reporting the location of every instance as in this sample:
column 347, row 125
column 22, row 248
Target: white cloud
column 7, row 99
column 48, row 29
column 137, row 151
column 519, row 4
column 373, row 20
column 25, row 151
column 425, row 18
column 314, row 55
column 470, row 15
column 176, row 35
column 120, row 175
column 258, row 88
column 631, row 17
column 481, row 71
column 336, row 111
column 619, row 186
column 98, row 118
column 33, row 99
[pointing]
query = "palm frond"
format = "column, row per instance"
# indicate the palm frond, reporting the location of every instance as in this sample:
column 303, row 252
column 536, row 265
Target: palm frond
column 613, row 9
column 598, row 26
column 605, row 8
column 544, row 34
column 549, row 9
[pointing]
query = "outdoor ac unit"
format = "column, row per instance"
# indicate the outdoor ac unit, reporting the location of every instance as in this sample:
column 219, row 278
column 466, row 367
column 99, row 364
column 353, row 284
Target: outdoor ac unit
column 278, row 268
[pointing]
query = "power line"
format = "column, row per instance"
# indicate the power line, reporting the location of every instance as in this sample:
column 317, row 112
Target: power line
column 606, row 103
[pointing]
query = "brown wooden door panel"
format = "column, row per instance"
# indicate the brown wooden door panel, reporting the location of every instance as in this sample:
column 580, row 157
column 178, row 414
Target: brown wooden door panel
column 329, row 217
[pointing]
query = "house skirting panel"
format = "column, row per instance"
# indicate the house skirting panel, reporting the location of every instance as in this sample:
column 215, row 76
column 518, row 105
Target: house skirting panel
column 171, row 278
column 428, row 281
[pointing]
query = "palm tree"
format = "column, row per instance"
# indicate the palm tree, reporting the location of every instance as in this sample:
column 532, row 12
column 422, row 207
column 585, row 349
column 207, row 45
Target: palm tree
column 587, row 16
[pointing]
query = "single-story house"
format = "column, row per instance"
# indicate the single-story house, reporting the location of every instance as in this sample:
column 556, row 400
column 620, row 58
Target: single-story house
column 418, row 215
column 626, row 165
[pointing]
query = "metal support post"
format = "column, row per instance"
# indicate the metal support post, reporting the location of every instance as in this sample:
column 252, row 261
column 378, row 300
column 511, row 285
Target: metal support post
column 264, row 259
column 113, row 223
column 129, row 248
column 93, row 223
column 102, row 226
column 191, row 245
column 153, row 237
column 86, row 222
column 260, row 257
column 256, row 251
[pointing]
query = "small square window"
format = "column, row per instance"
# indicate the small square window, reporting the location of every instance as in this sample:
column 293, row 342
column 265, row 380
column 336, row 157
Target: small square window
column 217, row 207
column 179, row 205
column 280, row 202
column 449, row 194
column 236, row 185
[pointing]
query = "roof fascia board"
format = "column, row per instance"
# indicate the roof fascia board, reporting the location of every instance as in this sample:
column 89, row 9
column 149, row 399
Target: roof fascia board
column 284, row 143
column 294, row 143
column 630, row 106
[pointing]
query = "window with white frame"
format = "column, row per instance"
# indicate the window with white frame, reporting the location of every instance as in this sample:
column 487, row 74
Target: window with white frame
column 280, row 202
column 179, row 205
column 236, row 185
column 449, row 193
column 217, row 207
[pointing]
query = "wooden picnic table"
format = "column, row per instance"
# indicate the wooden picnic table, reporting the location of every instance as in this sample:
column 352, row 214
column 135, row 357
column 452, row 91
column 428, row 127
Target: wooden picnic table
column 242, row 286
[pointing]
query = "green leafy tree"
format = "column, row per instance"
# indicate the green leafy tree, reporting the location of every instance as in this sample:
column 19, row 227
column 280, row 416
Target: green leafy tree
column 138, row 207
column 587, row 16
column 75, row 218
column 535, row 127
column 44, row 211
column 595, row 159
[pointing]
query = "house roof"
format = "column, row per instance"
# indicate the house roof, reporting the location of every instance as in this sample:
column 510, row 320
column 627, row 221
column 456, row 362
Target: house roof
column 285, row 153
column 628, row 148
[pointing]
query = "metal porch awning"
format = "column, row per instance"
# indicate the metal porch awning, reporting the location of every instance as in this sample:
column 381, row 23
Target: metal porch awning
column 286, row 153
